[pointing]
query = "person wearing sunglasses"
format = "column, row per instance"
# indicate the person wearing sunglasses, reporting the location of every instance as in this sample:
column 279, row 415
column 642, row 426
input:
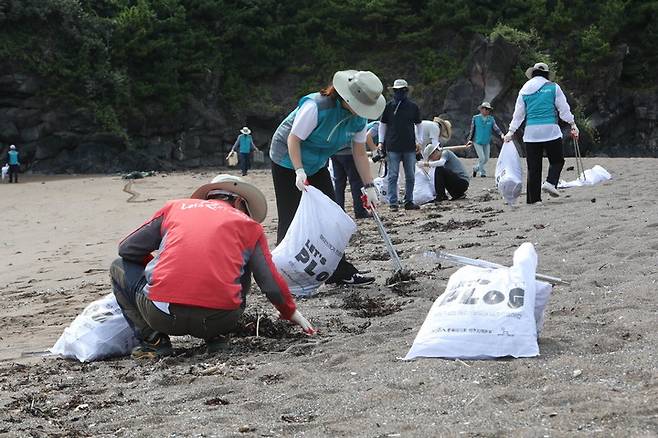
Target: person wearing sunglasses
column 207, row 248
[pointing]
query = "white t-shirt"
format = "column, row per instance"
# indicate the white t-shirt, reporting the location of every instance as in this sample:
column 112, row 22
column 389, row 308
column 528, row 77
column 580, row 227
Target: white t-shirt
column 306, row 120
column 430, row 133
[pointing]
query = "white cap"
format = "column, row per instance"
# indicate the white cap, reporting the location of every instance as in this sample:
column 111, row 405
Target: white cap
column 12, row 147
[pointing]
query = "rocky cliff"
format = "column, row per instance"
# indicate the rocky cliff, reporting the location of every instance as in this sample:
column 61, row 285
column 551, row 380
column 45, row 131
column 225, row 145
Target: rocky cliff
column 57, row 136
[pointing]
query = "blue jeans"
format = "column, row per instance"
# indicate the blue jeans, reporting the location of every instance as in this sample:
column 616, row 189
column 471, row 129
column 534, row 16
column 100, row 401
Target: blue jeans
column 483, row 151
column 409, row 162
column 245, row 162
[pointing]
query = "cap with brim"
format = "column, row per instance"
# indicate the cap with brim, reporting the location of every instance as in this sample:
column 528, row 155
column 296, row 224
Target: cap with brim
column 540, row 66
column 486, row 105
column 429, row 150
column 362, row 91
column 398, row 84
column 245, row 131
column 12, row 147
column 254, row 198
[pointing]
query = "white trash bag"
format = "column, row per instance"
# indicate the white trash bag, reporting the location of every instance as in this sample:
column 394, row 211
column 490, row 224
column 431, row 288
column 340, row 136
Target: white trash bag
column 314, row 243
column 424, row 190
column 486, row 313
column 591, row 177
column 509, row 173
column 99, row 332
column 381, row 184
column 5, row 171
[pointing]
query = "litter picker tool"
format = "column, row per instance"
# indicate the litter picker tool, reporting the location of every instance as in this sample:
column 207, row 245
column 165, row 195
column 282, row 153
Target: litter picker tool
column 580, row 168
column 395, row 259
column 461, row 260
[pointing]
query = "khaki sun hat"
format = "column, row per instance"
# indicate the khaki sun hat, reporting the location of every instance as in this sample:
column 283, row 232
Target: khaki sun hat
column 540, row 66
column 446, row 128
column 245, row 131
column 362, row 91
column 256, row 202
column 486, row 105
column 12, row 147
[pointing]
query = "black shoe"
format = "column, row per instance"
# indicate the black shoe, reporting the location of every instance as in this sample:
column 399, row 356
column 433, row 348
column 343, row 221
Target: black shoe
column 393, row 207
column 158, row 345
column 411, row 206
column 440, row 199
column 462, row 196
column 356, row 280
column 475, row 174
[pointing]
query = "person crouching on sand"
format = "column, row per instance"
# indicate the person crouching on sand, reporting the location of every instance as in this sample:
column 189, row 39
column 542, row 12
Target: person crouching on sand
column 539, row 103
column 449, row 173
column 208, row 247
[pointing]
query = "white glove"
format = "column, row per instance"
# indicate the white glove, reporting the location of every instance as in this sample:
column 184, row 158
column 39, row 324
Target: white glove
column 508, row 137
column 299, row 319
column 300, row 181
column 575, row 132
column 372, row 197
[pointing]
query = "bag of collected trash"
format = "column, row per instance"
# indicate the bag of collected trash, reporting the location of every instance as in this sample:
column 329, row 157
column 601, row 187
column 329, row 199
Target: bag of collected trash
column 424, row 190
column 99, row 332
column 593, row 176
column 232, row 160
column 486, row 313
column 5, row 171
column 381, row 183
column 314, row 244
column 509, row 173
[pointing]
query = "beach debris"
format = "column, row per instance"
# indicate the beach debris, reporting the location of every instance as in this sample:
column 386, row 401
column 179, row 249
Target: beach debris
column 216, row 401
column 246, row 428
column 305, row 417
column 259, row 324
column 400, row 277
column 368, row 307
column 577, row 373
column 138, row 174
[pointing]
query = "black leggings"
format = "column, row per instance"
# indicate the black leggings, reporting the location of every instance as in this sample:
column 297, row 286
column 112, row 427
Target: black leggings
column 534, row 156
column 446, row 179
column 287, row 201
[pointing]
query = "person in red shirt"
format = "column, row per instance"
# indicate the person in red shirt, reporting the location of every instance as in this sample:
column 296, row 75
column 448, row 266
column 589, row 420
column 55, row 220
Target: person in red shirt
column 207, row 249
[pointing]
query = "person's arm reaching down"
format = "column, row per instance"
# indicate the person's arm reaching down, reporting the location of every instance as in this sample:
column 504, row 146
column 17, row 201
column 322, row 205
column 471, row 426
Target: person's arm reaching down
column 517, row 118
column 496, row 129
column 274, row 286
column 471, row 132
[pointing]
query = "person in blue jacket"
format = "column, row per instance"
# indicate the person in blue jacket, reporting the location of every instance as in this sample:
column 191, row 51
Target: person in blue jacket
column 482, row 126
column 14, row 163
column 245, row 146
column 540, row 102
column 321, row 125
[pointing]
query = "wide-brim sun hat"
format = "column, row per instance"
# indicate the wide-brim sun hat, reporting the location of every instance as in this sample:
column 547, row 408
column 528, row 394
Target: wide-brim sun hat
column 12, row 146
column 486, row 105
column 540, row 66
column 446, row 128
column 245, row 131
column 429, row 150
column 256, row 202
column 362, row 91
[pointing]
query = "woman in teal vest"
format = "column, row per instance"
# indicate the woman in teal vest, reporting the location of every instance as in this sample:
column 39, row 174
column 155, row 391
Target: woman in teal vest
column 245, row 145
column 482, row 126
column 320, row 126
column 539, row 104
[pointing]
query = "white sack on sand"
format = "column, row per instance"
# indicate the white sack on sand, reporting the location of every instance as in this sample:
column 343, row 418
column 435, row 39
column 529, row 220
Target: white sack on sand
column 593, row 176
column 486, row 313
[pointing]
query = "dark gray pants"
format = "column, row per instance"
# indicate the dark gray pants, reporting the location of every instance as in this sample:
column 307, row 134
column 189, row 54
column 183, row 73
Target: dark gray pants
column 146, row 319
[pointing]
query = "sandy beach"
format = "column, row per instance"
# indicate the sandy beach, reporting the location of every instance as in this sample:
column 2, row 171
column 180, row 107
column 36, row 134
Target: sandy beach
column 597, row 374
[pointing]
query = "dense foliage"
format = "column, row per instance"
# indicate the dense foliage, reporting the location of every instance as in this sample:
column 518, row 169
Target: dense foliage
column 118, row 57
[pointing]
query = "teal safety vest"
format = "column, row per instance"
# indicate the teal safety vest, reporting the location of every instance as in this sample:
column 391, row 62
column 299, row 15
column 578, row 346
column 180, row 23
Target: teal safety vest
column 540, row 106
column 245, row 143
column 13, row 157
column 483, row 128
column 335, row 129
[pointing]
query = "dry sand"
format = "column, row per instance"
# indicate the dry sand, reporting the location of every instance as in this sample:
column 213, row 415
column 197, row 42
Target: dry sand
column 60, row 235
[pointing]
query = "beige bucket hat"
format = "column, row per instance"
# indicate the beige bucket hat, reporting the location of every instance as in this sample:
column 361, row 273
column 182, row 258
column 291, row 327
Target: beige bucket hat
column 429, row 150
column 245, row 131
column 486, row 105
column 362, row 91
column 256, row 202
column 446, row 128
column 540, row 66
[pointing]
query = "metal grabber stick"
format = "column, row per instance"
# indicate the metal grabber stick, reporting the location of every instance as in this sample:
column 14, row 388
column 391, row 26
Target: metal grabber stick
column 395, row 259
column 580, row 168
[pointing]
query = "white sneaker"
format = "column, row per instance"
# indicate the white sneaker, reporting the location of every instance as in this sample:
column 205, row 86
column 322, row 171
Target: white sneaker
column 550, row 189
